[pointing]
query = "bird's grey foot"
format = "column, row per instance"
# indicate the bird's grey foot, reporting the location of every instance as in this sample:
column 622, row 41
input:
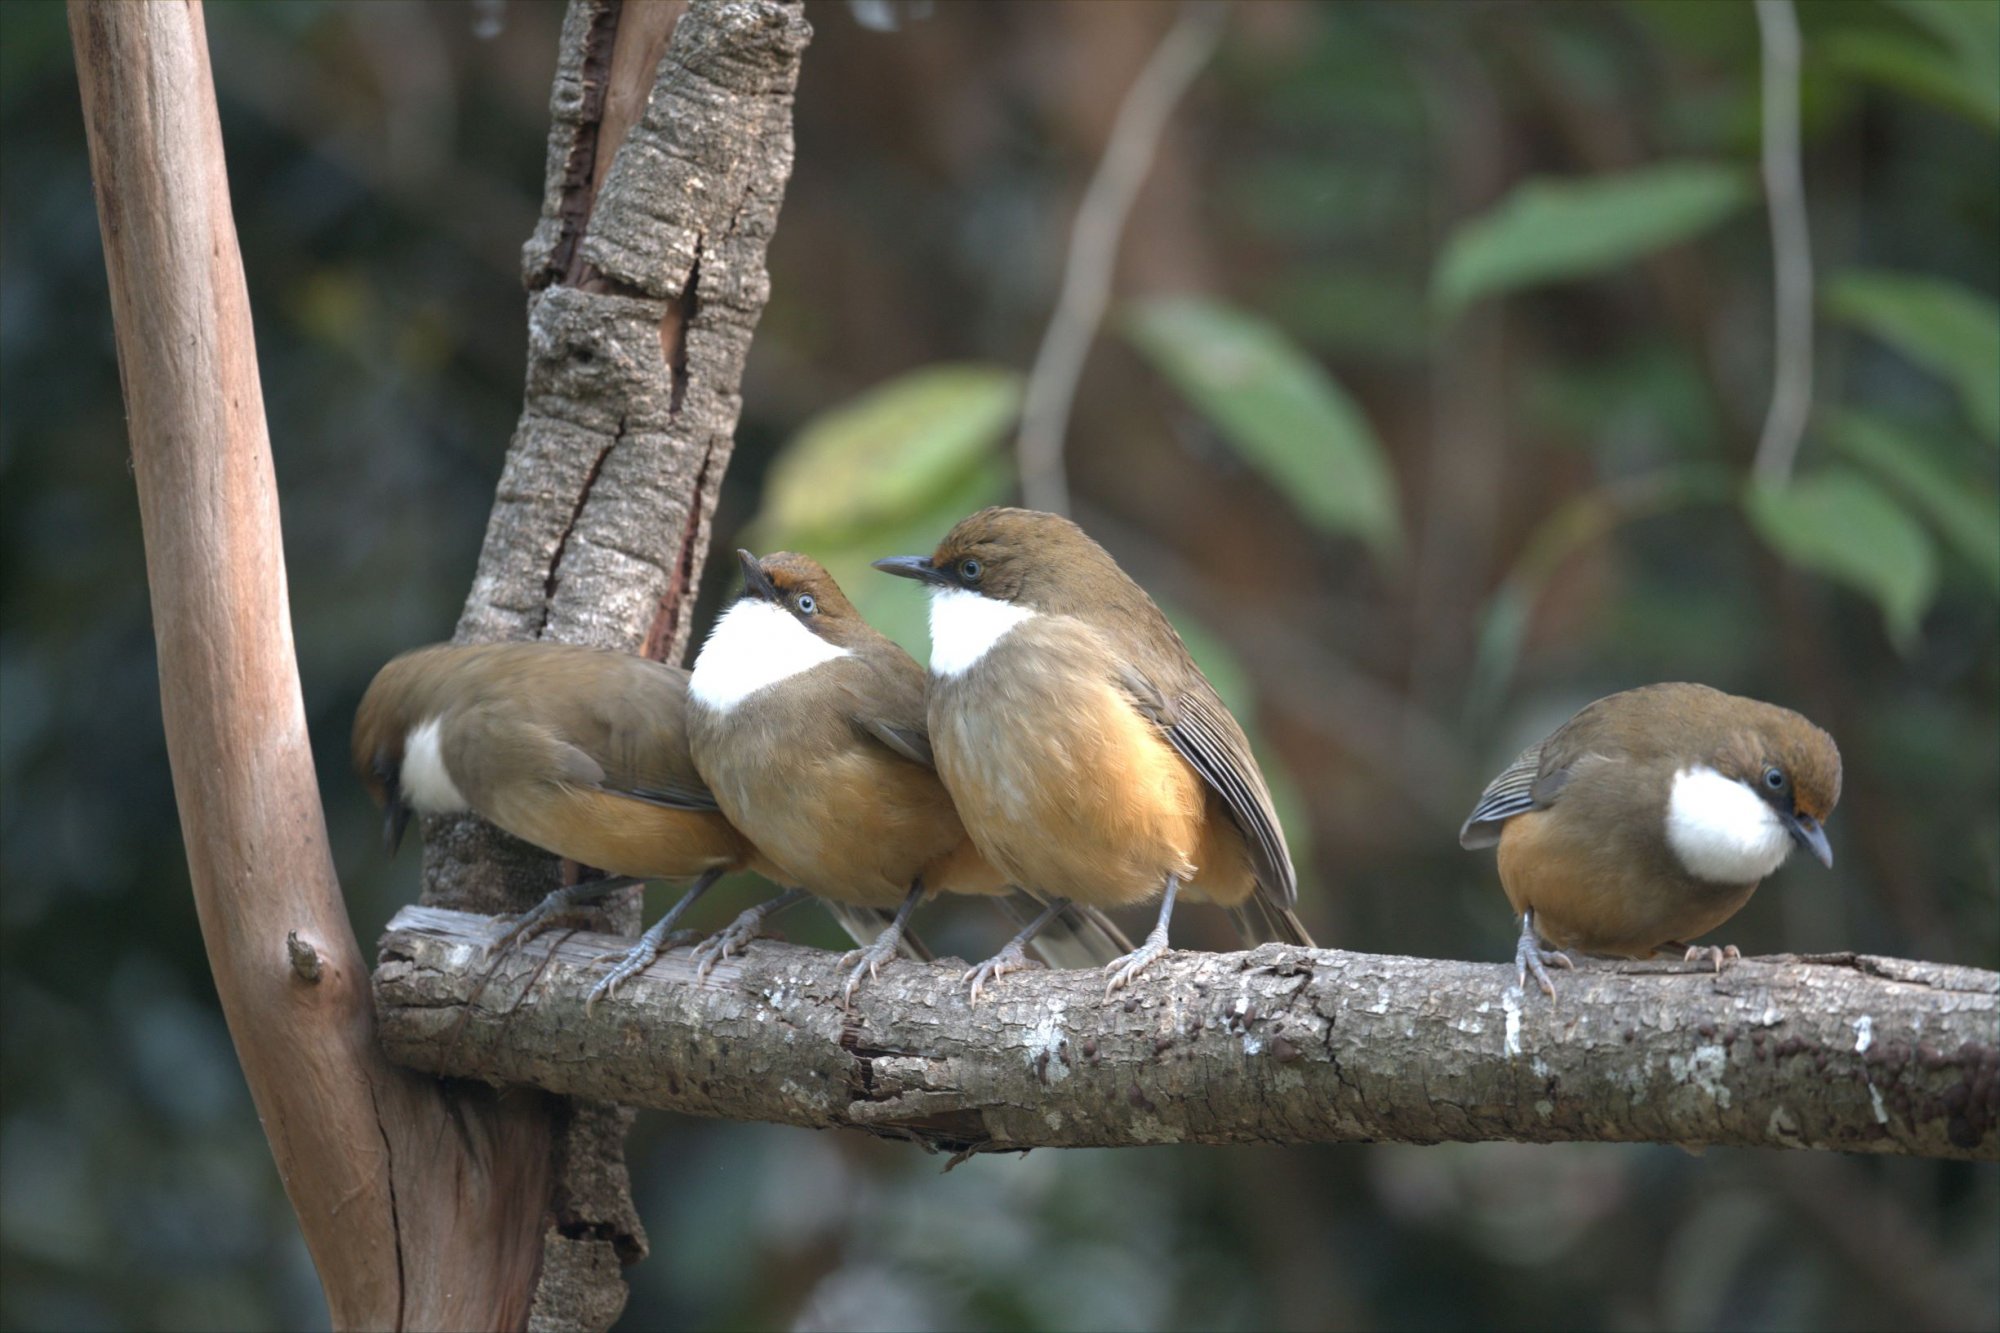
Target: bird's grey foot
column 566, row 903
column 866, row 962
column 733, row 938
column 656, row 941
column 1012, row 958
column 1123, row 970
column 726, row 943
column 1531, row 956
column 1717, row 956
column 633, row 961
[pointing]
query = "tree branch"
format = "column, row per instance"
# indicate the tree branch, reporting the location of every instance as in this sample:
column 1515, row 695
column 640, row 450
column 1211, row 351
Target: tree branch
column 1280, row 1045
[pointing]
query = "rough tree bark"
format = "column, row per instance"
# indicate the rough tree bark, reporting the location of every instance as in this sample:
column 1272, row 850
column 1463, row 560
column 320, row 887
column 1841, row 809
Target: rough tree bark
column 428, row 1204
column 646, row 278
column 1279, row 1045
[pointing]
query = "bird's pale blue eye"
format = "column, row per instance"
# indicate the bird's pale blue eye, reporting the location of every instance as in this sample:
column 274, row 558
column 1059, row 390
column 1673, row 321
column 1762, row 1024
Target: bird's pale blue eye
column 1774, row 779
column 807, row 604
column 970, row 570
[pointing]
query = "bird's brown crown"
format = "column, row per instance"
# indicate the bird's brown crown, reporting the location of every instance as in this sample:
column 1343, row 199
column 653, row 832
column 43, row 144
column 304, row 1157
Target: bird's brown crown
column 395, row 700
column 802, row 586
column 1774, row 748
column 1778, row 753
column 1041, row 560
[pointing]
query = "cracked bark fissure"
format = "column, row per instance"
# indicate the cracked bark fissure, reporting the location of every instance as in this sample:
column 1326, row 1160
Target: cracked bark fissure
column 1280, row 1045
column 600, row 520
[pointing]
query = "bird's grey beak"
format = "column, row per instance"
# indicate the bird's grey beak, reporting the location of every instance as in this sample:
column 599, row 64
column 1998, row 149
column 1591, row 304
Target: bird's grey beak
column 755, row 581
column 1805, row 830
column 395, row 819
column 918, row 567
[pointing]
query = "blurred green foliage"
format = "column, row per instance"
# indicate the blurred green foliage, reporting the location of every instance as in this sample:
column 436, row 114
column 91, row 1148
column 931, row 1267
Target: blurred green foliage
column 1427, row 415
column 1550, row 230
column 1280, row 409
column 1940, row 325
column 1837, row 522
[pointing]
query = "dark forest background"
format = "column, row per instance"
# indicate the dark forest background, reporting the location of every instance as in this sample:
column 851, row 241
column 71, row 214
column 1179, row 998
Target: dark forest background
column 1440, row 346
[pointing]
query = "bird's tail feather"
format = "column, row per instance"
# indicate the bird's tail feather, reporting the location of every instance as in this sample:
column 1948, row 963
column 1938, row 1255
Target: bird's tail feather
column 1261, row 921
column 1079, row 937
column 863, row 924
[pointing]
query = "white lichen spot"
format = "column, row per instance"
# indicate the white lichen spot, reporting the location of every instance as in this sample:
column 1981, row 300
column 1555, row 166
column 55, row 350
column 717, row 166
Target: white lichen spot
column 1510, row 1000
column 1783, row 1126
column 1044, row 1047
column 1252, row 1044
column 1881, row 1111
column 1704, row 1070
column 1545, row 1108
column 1864, row 1034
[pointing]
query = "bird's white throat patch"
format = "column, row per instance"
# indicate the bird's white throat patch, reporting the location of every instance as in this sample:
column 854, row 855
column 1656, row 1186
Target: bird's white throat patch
column 1721, row 830
column 755, row 645
column 965, row 626
column 425, row 782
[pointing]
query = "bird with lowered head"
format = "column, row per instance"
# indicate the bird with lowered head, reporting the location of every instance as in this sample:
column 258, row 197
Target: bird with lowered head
column 1649, row 819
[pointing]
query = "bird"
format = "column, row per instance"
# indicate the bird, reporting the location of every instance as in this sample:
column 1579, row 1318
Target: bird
column 1649, row 818
column 808, row 724
column 580, row 751
column 1088, row 755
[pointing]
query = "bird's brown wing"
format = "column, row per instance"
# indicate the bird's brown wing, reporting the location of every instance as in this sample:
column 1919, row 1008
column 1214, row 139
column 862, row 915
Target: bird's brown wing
column 1510, row 794
column 631, row 739
column 1198, row 726
column 889, row 701
column 1535, row 778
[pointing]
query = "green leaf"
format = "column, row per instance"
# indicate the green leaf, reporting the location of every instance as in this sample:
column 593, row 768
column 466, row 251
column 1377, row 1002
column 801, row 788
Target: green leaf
column 1948, row 329
column 885, row 455
column 1279, row 409
column 1964, row 512
column 1910, row 65
column 1550, row 230
column 1840, row 524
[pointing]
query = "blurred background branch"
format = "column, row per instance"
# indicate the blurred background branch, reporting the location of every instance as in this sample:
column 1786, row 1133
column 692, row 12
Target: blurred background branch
column 1791, row 245
column 1093, row 247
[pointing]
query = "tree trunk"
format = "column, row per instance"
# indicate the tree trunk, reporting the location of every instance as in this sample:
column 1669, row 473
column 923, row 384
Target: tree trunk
column 646, row 278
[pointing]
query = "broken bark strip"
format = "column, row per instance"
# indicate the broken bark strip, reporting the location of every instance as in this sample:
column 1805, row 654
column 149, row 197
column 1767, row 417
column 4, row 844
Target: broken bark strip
column 1279, row 1045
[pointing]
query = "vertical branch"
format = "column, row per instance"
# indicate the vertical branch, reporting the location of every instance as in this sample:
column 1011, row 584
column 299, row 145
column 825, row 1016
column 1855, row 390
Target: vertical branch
column 1791, row 246
column 377, row 1180
column 1093, row 249
column 669, row 150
